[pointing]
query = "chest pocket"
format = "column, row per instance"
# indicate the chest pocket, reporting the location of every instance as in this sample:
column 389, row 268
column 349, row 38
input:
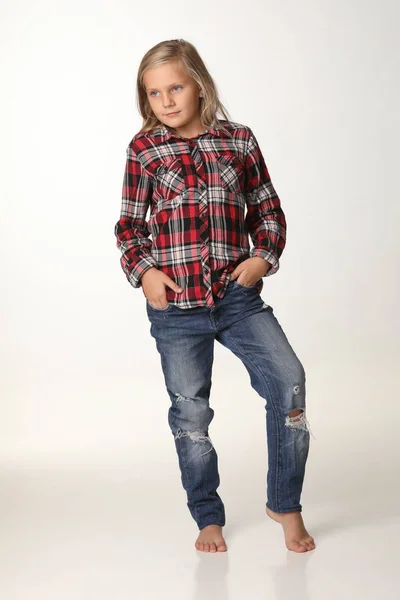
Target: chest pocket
column 231, row 172
column 170, row 181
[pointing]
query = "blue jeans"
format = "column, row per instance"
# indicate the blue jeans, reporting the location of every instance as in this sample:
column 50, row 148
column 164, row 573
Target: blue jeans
column 245, row 324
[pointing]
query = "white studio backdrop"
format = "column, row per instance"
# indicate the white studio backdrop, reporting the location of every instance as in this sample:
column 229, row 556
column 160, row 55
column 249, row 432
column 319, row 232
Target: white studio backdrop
column 317, row 82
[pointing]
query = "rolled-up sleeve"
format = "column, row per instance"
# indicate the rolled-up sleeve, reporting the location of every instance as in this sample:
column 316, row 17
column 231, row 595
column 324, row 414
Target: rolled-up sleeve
column 131, row 230
column 265, row 219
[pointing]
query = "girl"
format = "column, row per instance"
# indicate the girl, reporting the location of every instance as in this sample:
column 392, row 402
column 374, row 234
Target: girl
column 198, row 174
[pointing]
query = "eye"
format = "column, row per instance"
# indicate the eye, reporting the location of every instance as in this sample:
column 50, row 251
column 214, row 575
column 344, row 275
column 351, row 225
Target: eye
column 176, row 86
column 151, row 93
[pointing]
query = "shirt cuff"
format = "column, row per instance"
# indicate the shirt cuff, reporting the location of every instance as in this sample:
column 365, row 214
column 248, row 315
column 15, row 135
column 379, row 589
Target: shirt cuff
column 143, row 265
column 269, row 257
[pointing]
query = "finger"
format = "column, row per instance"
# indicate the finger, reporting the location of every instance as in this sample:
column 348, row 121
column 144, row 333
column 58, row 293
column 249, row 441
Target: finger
column 236, row 274
column 174, row 286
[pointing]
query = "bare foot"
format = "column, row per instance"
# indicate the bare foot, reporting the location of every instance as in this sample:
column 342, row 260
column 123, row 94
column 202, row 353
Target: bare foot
column 297, row 537
column 211, row 540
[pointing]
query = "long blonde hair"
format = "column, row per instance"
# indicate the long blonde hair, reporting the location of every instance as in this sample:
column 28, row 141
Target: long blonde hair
column 192, row 63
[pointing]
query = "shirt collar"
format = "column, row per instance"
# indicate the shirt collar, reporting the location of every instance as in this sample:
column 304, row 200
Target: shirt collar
column 167, row 133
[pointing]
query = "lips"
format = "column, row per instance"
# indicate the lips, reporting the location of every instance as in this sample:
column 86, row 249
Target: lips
column 173, row 113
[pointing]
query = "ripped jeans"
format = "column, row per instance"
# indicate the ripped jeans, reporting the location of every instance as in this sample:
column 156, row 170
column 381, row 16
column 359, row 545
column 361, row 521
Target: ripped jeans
column 245, row 324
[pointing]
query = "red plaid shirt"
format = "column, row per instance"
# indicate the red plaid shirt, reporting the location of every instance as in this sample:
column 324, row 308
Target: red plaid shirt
column 197, row 190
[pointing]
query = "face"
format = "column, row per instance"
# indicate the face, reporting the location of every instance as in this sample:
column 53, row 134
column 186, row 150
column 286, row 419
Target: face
column 170, row 90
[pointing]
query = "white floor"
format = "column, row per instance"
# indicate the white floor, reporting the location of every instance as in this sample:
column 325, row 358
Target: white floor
column 121, row 529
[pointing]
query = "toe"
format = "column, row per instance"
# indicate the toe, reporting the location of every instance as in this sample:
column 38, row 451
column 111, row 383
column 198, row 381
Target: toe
column 221, row 547
column 213, row 547
column 297, row 547
column 207, row 547
column 310, row 543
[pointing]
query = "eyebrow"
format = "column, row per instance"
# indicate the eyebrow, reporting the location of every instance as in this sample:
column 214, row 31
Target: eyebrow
column 171, row 85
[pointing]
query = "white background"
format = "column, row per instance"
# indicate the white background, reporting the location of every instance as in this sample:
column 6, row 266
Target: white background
column 82, row 389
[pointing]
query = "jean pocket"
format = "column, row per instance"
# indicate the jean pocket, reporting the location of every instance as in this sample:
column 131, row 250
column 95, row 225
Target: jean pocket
column 246, row 287
column 158, row 309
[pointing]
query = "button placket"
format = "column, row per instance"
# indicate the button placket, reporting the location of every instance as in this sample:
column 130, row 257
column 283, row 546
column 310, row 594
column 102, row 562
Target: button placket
column 202, row 208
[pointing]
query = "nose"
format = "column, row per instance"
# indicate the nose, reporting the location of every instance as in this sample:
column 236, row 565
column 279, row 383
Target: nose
column 167, row 102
